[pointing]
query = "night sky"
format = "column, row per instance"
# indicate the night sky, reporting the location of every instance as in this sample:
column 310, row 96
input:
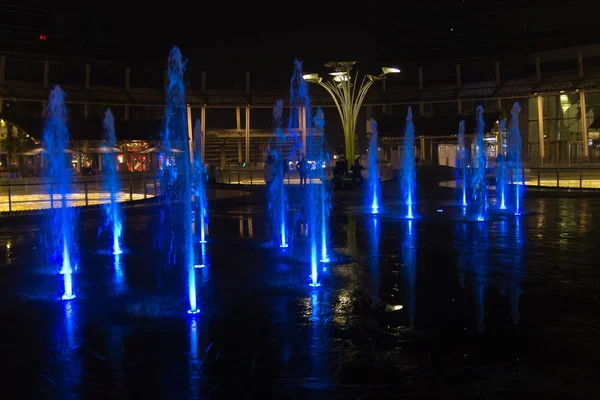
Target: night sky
column 240, row 36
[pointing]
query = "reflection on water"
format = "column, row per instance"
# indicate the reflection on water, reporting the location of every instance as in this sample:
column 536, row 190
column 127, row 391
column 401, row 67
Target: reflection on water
column 245, row 222
column 472, row 244
column 193, row 361
column 374, row 251
column 408, row 269
column 509, row 242
column 67, row 371
column 270, row 330
column 351, row 244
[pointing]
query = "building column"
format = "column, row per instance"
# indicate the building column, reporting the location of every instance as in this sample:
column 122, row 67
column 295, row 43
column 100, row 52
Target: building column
column 584, row 126
column 190, row 138
column 247, row 135
column 1, row 104
column 541, row 127
column 203, row 134
column 46, row 73
column 459, row 106
column 238, row 128
column 44, row 105
column 302, row 127
column 422, row 142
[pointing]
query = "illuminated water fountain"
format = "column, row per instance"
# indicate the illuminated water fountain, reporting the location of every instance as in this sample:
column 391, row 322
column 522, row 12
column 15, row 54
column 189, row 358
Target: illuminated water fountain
column 323, row 198
column 176, row 234
column 514, row 149
column 374, row 194
column 408, row 175
column 501, row 170
column 200, row 180
column 113, row 215
column 63, row 219
column 478, row 168
column 462, row 153
column 276, row 196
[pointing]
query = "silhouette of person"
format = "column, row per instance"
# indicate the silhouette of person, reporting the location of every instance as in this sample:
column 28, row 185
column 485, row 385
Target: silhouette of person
column 302, row 168
column 357, row 169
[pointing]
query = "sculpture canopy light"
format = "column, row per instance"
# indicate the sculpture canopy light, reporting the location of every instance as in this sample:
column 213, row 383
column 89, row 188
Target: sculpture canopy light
column 347, row 97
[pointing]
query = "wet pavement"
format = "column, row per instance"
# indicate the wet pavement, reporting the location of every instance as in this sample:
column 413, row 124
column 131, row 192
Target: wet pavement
column 429, row 308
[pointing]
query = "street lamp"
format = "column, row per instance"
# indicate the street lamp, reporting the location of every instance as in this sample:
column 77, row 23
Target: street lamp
column 347, row 98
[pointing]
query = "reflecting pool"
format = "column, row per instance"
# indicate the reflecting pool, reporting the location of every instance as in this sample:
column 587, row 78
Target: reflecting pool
column 427, row 306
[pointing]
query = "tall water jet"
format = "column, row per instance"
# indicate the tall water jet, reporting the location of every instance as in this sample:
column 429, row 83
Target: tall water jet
column 277, row 198
column 62, row 217
column 113, row 215
column 177, row 235
column 462, row 153
column 479, row 185
column 199, row 179
column 300, row 108
column 501, row 169
column 374, row 195
column 514, row 146
column 408, row 175
column 324, row 189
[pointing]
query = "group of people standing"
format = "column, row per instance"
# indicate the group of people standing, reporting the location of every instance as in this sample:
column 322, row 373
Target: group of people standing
column 276, row 167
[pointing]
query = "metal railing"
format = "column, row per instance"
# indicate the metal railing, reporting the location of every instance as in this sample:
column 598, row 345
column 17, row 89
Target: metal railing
column 35, row 194
column 582, row 177
column 255, row 176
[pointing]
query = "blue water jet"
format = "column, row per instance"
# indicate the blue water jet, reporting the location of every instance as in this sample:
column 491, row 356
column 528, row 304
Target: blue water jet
column 299, row 104
column 176, row 233
column 113, row 215
column 374, row 195
column 323, row 197
column 478, row 168
column 501, row 168
column 314, row 205
column 514, row 148
column 408, row 176
column 276, row 194
column 200, row 181
column 463, row 159
column 62, row 217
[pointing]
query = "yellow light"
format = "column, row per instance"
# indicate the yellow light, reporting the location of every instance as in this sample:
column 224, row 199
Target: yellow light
column 390, row 70
column 310, row 76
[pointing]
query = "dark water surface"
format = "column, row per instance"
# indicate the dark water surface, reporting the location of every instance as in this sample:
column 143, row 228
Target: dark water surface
column 427, row 308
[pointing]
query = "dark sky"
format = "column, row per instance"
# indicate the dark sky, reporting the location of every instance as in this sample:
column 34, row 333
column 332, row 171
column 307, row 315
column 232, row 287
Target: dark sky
column 222, row 31
column 250, row 35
